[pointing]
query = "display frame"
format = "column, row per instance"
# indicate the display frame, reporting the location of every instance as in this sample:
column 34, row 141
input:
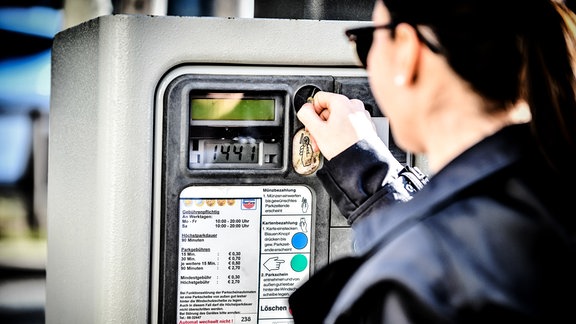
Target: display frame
column 270, row 136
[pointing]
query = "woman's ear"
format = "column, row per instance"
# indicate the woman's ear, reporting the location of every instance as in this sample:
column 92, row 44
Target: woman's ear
column 407, row 46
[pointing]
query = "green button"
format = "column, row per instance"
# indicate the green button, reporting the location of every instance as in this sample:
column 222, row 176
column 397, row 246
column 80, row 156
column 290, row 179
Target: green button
column 299, row 262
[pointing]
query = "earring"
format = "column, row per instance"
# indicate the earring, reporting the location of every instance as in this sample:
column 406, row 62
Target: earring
column 399, row 80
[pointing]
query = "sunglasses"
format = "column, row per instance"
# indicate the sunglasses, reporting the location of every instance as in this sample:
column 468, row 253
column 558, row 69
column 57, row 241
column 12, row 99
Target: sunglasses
column 363, row 37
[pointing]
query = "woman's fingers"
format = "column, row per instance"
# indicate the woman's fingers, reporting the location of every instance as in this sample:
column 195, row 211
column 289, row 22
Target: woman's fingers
column 328, row 101
column 309, row 117
column 335, row 122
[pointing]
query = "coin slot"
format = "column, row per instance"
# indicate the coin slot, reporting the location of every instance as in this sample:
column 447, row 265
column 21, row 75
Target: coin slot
column 304, row 94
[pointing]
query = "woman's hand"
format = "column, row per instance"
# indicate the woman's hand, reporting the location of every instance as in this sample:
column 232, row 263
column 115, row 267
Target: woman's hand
column 336, row 122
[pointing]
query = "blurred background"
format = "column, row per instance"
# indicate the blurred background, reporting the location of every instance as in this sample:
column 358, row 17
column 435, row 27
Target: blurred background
column 26, row 32
column 27, row 28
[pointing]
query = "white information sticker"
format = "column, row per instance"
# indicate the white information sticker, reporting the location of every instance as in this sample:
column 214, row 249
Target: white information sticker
column 242, row 251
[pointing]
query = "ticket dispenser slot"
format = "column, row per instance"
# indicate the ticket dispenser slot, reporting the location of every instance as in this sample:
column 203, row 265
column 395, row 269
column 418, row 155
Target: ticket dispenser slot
column 239, row 228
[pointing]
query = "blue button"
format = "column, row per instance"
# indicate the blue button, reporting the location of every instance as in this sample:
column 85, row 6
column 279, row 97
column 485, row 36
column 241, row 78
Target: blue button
column 299, row 240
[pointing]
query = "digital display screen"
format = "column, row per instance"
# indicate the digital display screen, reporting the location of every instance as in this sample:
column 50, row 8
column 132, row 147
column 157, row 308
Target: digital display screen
column 232, row 106
column 230, row 152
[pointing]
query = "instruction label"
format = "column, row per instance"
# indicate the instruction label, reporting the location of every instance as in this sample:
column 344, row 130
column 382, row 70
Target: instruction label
column 242, row 251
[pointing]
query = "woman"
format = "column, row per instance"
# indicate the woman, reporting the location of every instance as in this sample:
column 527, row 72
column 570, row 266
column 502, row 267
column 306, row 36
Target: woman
column 490, row 236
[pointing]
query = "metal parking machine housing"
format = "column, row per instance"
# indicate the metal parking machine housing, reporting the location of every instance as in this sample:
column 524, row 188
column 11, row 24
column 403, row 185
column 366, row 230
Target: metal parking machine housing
column 170, row 198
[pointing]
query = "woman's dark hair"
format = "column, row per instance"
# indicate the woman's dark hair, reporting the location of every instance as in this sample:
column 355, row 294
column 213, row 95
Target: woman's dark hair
column 510, row 51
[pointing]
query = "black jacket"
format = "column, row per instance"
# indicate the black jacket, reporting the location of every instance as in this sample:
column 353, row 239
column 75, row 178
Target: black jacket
column 488, row 239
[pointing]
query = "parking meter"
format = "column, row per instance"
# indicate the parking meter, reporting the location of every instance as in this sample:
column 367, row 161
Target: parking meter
column 182, row 186
column 243, row 223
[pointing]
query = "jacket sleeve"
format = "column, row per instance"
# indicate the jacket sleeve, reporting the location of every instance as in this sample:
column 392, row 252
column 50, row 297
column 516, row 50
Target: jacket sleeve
column 392, row 303
column 362, row 170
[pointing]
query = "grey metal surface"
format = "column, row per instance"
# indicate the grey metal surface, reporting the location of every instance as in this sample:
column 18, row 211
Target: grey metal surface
column 105, row 73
